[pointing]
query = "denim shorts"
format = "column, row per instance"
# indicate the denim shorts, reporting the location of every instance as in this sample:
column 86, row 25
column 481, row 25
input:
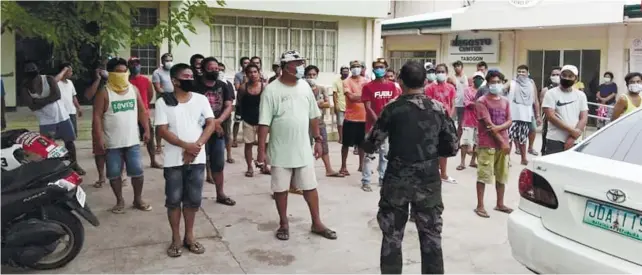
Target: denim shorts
column 133, row 162
column 184, row 184
column 215, row 150
column 62, row 130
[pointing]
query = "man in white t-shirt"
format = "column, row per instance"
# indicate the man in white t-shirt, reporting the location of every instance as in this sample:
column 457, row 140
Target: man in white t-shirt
column 566, row 110
column 289, row 113
column 68, row 93
column 185, row 121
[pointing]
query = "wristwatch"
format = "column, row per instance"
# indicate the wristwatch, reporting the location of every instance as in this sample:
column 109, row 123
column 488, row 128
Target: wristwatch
column 318, row 139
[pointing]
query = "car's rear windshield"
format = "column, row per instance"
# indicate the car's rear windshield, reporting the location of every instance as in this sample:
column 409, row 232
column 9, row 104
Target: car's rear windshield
column 621, row 141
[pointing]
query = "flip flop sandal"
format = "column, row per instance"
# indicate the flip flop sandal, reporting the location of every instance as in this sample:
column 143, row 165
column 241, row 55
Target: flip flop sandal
column 99, row 184
column 156, row 166
column 345, row 173
column 210, row 180
column 235, row 145
column 142, row 207
column 366, row 188
column 504, row 210
column 118, row 209
column 481, row 213
column 174, row 251
column 326, row 233
column 533, row 152
column 449, row 180
column 230, row 161
column 195, row 247
column 249, row 174
column 334, row 175
column 226, row 201
column 460, row 167
column 282, row 234
column 473, row 165
column 266, row 171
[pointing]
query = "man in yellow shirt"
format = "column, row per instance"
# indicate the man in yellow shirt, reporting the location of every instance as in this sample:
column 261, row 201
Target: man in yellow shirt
column 579, row 85
column 340, row 100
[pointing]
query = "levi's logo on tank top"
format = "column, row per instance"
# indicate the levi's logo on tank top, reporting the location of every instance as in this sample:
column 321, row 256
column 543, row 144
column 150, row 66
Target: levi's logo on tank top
column 123, row 105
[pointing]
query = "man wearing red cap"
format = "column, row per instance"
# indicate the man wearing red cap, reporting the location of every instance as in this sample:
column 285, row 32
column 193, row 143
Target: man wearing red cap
column 146, row 91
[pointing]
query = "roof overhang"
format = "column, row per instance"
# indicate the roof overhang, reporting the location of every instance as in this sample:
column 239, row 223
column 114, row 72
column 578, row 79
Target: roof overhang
column 441, row 19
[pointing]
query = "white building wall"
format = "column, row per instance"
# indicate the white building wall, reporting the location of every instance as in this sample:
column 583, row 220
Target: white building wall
column 350, row 8
column 415, row 7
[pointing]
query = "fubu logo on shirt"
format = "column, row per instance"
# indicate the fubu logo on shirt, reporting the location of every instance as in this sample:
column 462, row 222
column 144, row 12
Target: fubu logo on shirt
column 383, row 94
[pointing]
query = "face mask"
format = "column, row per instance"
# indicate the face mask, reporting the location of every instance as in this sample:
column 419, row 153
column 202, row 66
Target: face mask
column 379, row 73
column 135, row 69
column 300, row 72
column 555, row 79
column 312, row 82
column 607, row 79
column 478, row 82
column 168, row 65
column 118, row 81
column 211, row 75
column 187, row 85
column 30, row 75
column 355, row 71
column 496, row 88
column 635, row 88
column 431, row 76
column 522, row 76
column 344, row 76
column 441, row 77
column 565, row 83
column 221, row 76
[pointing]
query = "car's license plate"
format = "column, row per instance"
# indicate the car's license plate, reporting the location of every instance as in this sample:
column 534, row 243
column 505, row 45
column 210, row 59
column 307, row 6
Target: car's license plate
column 624, row 222
column 81, row 196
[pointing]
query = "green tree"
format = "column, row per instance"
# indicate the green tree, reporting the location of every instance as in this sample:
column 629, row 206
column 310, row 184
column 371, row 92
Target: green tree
column 64, row 24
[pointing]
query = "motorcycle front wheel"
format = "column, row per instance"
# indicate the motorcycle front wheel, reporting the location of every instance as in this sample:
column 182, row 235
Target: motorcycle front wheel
column 69, row 245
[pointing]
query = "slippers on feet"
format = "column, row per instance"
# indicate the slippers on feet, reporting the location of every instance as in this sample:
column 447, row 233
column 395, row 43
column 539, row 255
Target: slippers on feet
column 334, row 175
column 326, row 233
column 460, row 167
column 283, row 234
column 226, row 201
column 366, row 188
column 473, row 165
column 195, row 247
column 503, row 209
column 249, row 174
column 142, row 206
column 345, row 173
column 230, row 160
column 482, row 213
column 99, row 183
column 118, row 209
column 174, row 251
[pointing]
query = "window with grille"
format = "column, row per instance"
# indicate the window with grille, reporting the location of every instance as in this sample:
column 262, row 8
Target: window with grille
column 146, row 18
column 236, row 37
column 398, row 58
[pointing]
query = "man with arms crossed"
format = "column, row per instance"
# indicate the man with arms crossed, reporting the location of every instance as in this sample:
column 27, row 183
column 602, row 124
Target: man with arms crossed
column 340, row 100
column 180, row 118
column 289, row 113
column 566, row 110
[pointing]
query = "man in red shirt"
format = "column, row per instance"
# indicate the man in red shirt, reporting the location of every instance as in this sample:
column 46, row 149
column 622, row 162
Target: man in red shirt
column 146, row 91
column 375, row 95
column 443, row 93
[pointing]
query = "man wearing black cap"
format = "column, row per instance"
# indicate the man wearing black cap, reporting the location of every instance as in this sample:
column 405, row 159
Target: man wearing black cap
column 42, row 96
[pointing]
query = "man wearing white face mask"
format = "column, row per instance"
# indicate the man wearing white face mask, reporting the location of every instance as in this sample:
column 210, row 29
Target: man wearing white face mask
column 431, row 77
column 160, row 77
column 630, row 101
column 289, row 113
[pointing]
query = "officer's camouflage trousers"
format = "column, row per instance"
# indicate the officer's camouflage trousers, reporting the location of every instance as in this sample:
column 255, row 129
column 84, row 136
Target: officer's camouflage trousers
column 425, row 200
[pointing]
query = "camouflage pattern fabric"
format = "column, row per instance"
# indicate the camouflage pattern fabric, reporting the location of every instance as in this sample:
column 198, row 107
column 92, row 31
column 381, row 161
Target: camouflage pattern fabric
column 419, row 132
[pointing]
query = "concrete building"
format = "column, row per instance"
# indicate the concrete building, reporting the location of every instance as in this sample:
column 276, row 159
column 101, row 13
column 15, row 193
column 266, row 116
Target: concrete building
column 329, row 33
column 595, row 36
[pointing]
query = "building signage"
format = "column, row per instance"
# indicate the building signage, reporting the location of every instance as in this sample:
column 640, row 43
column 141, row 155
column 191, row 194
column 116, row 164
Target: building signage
column 523, row 3
column 474, row 47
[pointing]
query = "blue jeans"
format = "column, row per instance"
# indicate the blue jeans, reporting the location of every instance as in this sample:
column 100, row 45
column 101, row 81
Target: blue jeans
column 215, row 150
column 381, row 169
column 133, row 162
column 184, row 185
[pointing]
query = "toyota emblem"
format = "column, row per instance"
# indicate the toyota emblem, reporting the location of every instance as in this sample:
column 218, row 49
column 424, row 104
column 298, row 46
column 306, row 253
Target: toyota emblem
column 616, row 195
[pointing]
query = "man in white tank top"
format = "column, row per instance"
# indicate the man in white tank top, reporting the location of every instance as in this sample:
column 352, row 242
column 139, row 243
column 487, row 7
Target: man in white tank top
column 42, row 96
column 118, row 109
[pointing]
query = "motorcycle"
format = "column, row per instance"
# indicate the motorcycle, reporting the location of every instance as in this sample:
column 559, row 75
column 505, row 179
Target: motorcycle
column 40, row 190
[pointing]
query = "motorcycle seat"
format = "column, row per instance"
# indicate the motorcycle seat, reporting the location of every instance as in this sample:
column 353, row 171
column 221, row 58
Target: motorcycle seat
column 8, row 137
column 28, row 173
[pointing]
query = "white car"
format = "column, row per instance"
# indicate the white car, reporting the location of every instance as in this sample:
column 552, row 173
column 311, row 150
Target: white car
column 580, row 211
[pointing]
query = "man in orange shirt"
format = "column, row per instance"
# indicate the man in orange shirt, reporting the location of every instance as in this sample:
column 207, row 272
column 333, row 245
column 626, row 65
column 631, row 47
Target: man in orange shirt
column 354, row 125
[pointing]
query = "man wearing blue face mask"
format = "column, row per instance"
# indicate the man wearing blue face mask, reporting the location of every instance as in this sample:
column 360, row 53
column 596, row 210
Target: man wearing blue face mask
column 431, row 77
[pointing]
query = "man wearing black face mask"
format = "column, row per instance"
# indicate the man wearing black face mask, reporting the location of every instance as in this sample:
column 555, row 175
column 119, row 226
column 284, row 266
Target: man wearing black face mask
column 566, row 110
column 195, row 64
column 220, row 98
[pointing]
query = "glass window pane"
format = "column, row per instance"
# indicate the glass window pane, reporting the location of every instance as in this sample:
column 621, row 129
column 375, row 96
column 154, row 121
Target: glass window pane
column 257, row 42
column 627, row 131
column 330, row 51
column 307, row 49
column 282, row 38
column 319, row 43
column 535, row 65
column 295, row 40
column 573, row 58
column 229, row 39
column 270, row 50
column 551, row 59
column 217, row 42
column 244, row 41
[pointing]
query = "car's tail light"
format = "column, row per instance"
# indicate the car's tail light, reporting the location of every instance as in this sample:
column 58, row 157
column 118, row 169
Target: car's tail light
column 535, row 188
